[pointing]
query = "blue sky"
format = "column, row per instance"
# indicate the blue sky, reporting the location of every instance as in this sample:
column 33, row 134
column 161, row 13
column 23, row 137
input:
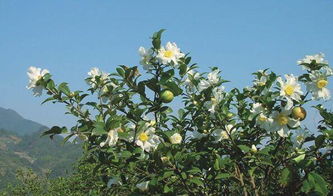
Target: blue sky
column 69, row 37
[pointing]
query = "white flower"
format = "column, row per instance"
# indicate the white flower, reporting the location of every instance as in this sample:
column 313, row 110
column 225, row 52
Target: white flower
column 318, row 58
column 147, row 139
column 318, row 84
column 95, row 72
column 143, row 186
column 213, row 78
column 146, row 56
column 191, row 75
column 257, row 108
column 34, row 75
column 299, row 137
column 215, row 100
column 262, row 120
column 203, row 84
column 171, row 53
column 176, row 138
column 221, row 134
column 112, row 138
column 290, row 89
column 281, row 121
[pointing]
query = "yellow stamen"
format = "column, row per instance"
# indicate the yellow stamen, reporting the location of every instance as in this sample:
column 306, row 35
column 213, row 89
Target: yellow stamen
column 168, row 54
column 261, row 83
column 322, row 83
column 143, row 137
column 289, row 90
column 262, row 118
column 224, row 135
column 282, row 119
column 300, row 138
column 213, row 100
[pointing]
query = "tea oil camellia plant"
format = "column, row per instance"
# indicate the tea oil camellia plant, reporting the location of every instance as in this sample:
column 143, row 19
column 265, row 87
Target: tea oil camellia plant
column 249, row 141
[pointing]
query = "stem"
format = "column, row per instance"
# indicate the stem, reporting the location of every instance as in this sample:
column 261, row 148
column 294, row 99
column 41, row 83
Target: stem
column 182, row 180
column 254, row 185
column 239, row 173
column 77, row 107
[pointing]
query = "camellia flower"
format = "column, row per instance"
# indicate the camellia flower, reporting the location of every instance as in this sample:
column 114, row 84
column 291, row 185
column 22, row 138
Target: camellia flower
column 318, row 58
column 176, row 138
column 318, row 84
column 112, row 138
column 191, row 75
column 146, row 56
column 95, row 72
column 262, row 120
column 147, row 139
column 290, row 89
column 171, row 53
column 281, row 121
column 223, row 134
column 212, row 79
column 215, row 100
column 34, row 75
column 143, row 186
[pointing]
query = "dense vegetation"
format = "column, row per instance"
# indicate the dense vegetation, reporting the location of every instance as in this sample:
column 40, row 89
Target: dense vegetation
column 250, row 141
column 41, row 155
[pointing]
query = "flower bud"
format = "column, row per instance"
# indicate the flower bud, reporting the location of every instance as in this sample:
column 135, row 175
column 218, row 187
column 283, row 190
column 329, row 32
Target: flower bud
column 176, row 138
column 254, row 148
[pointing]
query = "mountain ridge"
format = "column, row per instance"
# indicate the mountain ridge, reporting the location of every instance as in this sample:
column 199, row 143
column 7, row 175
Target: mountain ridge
column 12, row 121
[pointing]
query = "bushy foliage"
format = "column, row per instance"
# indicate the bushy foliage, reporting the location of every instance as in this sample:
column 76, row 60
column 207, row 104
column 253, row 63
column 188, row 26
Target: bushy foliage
column 241, row 141
column 84, row 181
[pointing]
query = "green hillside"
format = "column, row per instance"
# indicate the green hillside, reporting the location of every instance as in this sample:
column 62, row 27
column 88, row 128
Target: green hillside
column 27, row 150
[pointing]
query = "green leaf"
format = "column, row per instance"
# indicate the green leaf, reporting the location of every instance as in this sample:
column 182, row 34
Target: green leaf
column 196, row 181
column 174, row 88
column 166, row 189
column 320, row 185
column 319, row 140
column 121, row 72
column 182, row 69
column 48, row 99
column 168, row 174
column 167, row 76
column 152, row 84
column 64, row 88
column 99, row 129
column 244, row 148
column 55, row 131
column 285, row 177
column 157, row 39
column 126, row 154
column 299, row 158
column 222, row 176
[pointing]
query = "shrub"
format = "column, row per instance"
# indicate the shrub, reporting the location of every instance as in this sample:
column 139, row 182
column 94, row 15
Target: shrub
column 206, row 141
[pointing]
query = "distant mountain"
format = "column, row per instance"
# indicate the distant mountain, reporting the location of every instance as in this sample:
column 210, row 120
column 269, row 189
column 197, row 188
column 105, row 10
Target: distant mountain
column 13, row 122
column 24, row 148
